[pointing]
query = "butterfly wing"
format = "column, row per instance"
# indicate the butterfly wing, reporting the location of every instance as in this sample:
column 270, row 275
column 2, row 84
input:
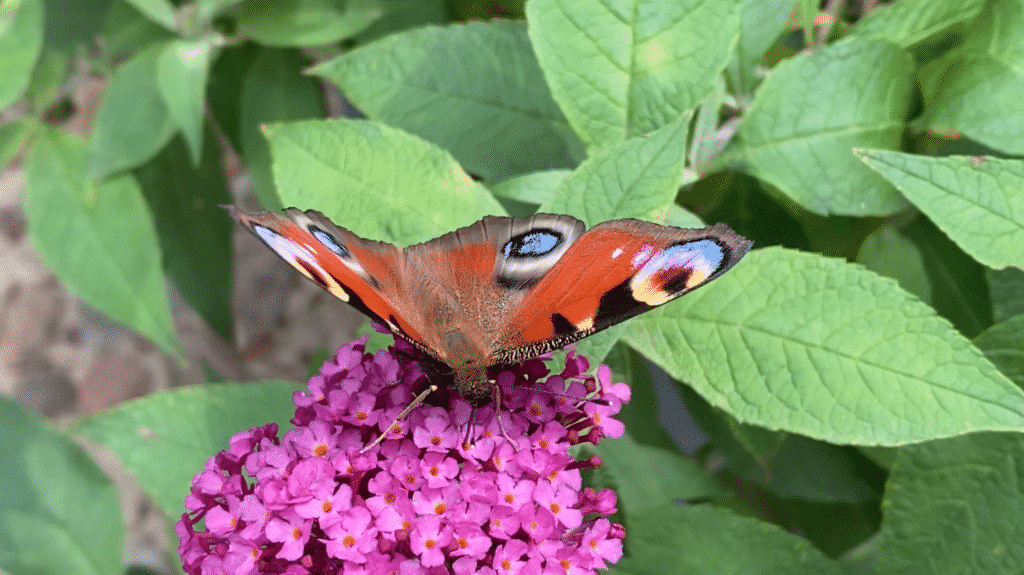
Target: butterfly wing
column 366, row 274
column 614, row 271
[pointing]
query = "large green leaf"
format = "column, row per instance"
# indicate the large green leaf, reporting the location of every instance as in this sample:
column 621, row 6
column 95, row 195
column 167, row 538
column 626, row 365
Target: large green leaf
column 954, row 506
column 274, row 90
column 182, row 70
column 98, row 238
column 158, row 11
column 976, row 88
column 71, row 23
column 816, row 346
column 13, row 136
column 1006, row 288
column 889, row 253
column 195, row 233
column 706, row 539
column 761, row 22
column 958, row 283
column 908, row 22
column 810, row 113
column 1003, row 343
column 622, row 68
column 132, row 123
column 475, row 89
column 813, row 470
column 633, row 179
column 58, row 512
column 165, row 439
column 287, row 23
column 644, row 476
column 978, row 202
column 21, row 40
column 377, row 181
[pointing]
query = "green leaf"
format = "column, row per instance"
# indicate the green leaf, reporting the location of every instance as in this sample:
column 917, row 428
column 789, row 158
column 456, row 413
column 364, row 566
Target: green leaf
column 48, row 79
column 958, row 282
column 817, row 471
column 751, row 212
column 58, row 512
column 159, row 11
column 888, row 253
column 630, row 367
column 1003, row 344
column 534, row 188
column 13, row 137
column 98, row 238
column 164, row 439
column 72, row 23
column 954, row 506
column 813, row 110
column 909, row 22
column 622, row 68
column 706, row 539
column 761, row 22
column 644, row 476
column 402, row 15
column 21, row 40
column 194, row 232
column 182, row 71
column 377, row 181
column 630, row 180
column 305, row 23
column 128, row 32
column 210, row 8
column 978, row 202
column 227, row 77
column 1007, row 293
column 475, row 90
column 976, row 88
column 274, row 90
column 132, row 123
column 816, row 346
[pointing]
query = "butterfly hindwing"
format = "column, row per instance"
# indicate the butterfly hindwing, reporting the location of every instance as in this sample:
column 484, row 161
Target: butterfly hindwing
column 615, row 271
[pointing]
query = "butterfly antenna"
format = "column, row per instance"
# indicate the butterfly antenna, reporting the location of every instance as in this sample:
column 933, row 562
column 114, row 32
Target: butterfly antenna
column 419, row 399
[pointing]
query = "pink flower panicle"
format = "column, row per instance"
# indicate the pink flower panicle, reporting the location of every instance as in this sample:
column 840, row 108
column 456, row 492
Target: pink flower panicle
column 441, row 494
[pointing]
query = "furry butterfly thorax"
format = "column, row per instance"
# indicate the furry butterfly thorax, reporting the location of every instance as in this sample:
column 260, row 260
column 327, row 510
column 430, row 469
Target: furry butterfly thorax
column 504, row 289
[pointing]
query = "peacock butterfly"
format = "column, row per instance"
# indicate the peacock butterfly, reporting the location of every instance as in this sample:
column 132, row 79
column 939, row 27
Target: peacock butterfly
column 504, row 289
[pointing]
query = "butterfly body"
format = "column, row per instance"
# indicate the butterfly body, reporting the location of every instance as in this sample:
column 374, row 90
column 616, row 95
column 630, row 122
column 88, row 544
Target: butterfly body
column 504, row 289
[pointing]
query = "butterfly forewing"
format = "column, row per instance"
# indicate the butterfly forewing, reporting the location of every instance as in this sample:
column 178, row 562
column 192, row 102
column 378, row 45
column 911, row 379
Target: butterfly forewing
column 504, row 289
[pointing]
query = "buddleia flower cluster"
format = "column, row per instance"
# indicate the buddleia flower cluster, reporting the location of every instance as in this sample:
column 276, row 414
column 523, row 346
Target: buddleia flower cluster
column 450, row 489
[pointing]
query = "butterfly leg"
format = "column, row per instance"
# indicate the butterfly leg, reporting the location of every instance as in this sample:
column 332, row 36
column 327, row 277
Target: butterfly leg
column 497, row 415
column 415, row 403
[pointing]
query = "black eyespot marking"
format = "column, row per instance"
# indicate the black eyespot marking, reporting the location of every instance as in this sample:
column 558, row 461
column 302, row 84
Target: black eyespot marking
column 532, row 244
column 561, row 325
column 330, row 241
column 618, row 304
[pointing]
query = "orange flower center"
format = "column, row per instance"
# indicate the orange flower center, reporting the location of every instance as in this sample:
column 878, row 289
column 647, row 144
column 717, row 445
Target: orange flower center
column 320, row 450
column 348, row 541
column 555, row 508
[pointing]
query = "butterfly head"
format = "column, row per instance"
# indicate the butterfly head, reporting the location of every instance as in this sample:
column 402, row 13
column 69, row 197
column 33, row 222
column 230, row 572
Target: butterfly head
column 469, row 367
